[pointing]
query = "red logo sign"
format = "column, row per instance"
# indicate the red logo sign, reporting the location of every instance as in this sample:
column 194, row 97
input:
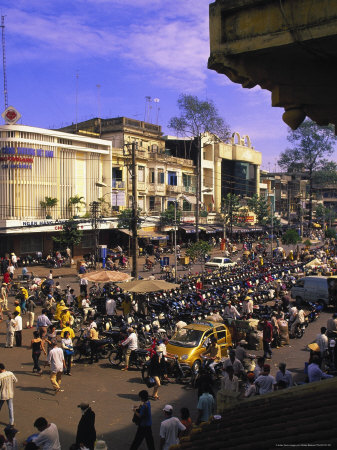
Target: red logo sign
column 11, row 114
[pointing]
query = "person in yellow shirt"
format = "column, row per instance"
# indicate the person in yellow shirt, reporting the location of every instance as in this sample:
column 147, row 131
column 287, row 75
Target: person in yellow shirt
column 59, row 308
column 65, row 316
column 126, row 306
column 17, row 307
column 24, row 292
column 69, row 329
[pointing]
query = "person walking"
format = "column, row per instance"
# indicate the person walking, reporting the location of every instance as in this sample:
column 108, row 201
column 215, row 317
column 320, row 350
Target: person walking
column 86, row 432
column 267, row 329
column 4, row 297
column 131, row 343
column 10, row 330
column 144, row 430
column 170, row 429
column 7, row 380
column 37, row 346
column 43, row 323
column 205, row 405
column 30, row 306
column 18, row 329
column 57, row 364
column 68, row 350
column 155, row 371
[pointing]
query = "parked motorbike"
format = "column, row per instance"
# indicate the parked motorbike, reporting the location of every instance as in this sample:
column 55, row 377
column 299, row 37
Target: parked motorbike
column 137, row 357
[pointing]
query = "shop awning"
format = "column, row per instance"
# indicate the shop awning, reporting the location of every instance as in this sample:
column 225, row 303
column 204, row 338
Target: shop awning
column 152, row 235
column 190, row 199
column 208, row 229
column 187, row 229
column 217, row 228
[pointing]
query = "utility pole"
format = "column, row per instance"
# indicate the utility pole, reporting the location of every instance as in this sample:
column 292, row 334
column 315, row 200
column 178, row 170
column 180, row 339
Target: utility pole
column 134, row 211
column 94, row 209
column 198, row 188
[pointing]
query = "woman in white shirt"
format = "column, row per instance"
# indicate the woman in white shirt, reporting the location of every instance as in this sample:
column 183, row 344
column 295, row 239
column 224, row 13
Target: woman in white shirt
column 68, row 350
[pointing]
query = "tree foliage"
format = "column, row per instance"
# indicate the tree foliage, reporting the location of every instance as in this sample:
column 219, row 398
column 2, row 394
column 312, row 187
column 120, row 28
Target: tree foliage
column 260, row 207
column 168, row 217
column 330, row 233
column 48, row 203
column 70, row 235
column 76, row 202
column 198, row 250
column 231, row 207
column 291, row 237
column 198, row 117
column 324, row 215
column 311, row 144
column 124, row 220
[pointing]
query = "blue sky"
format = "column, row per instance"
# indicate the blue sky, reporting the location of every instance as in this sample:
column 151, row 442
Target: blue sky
column 132, row 49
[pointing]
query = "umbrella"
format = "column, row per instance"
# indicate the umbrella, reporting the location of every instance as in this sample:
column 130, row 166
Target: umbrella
column 104, row 276
column 143, row 286
column 314, row 262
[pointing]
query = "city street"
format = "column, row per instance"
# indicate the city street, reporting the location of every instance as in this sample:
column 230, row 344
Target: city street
column 110, row 392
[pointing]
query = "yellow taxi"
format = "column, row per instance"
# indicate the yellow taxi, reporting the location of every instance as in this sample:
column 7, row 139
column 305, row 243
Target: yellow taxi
column 191, row 341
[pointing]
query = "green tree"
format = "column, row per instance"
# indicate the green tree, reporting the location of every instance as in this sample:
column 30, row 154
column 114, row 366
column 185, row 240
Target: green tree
column 291, row 237
column 230, row 209
column 198, row 250
column 124, row 220
column 330, row 233
column 311, row 145
column 70, row 236
column 260, row 207
column 76, row 202
column 48, row 204
column 197, row 119
column 324, row 215
column 105, row 207
column 168, row 217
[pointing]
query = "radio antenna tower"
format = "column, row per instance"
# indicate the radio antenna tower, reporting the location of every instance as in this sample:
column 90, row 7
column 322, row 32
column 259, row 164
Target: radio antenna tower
column 4, row 60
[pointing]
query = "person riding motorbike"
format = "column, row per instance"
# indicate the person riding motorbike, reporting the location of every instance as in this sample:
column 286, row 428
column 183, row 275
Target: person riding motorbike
column 131, row 343
column 212, row 354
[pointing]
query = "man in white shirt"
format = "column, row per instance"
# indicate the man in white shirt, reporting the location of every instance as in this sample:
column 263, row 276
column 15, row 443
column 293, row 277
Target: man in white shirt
column 322, row 341
column 18, row 329
column 284, row 379
column 265, row 382
column 6, row 390
column 231, row 311
column 110, row 307
column 57, row 364
column 48, row 438
column 170, row 429
column 131, row 343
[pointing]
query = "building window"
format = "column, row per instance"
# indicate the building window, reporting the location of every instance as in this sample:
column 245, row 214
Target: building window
column 152, row 176
column 161, row 178
column 152, row 203
column 187, row 206
column 10, row 134
column 172, row 179
column 117, row 174
column 31, row 243
column 88, row 241
column 141, row 174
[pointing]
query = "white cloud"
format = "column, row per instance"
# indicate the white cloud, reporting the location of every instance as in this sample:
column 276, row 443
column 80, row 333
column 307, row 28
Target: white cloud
column 171, row 40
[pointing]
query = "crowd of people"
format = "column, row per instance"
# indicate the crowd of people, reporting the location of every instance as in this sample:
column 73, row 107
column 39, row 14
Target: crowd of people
column 58, row 311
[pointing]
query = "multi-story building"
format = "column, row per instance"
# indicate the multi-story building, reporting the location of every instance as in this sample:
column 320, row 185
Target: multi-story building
column 161, row 177
column 37, row 163
column 232, row 167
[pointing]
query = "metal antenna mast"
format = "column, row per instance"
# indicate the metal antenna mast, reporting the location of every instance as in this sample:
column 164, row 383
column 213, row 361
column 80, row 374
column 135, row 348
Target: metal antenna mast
column 4, row 60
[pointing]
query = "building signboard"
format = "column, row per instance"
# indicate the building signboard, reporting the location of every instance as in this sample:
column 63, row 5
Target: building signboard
column 21, row 157
column 11, row 115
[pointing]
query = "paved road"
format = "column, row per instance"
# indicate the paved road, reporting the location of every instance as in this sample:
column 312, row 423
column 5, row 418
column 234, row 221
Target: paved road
column 111, row 393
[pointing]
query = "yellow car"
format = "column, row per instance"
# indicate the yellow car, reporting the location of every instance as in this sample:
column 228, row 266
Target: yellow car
column 191, row 341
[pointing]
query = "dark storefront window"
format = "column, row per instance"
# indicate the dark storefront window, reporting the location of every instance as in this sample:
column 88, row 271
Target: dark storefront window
column 31, row 243
column 238, row 178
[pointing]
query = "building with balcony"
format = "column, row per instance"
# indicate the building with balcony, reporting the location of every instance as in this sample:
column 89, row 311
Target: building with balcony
column 161, row 177
column 232, row 167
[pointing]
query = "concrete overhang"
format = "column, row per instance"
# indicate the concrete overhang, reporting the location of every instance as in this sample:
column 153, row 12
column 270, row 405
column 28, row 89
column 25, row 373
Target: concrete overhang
column 288, row 47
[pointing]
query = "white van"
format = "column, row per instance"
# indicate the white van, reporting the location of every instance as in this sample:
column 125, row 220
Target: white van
column 315, row 289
